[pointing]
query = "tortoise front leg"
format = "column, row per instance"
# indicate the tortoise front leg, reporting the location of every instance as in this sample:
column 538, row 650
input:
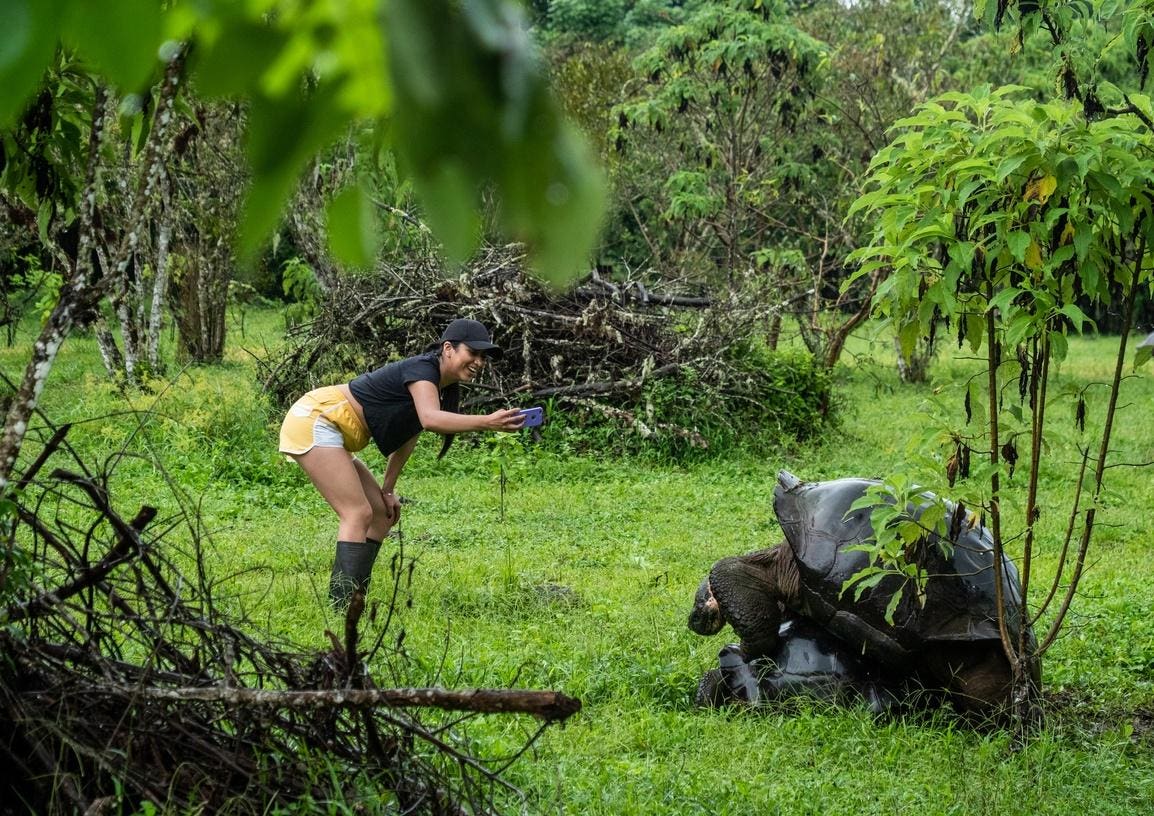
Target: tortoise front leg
column 748, row 599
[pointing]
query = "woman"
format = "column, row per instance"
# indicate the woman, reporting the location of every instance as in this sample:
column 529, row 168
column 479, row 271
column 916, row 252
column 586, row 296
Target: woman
column 391, row 406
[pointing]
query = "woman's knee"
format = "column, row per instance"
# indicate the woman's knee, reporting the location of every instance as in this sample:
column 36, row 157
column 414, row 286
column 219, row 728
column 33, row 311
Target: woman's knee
column 360, row 514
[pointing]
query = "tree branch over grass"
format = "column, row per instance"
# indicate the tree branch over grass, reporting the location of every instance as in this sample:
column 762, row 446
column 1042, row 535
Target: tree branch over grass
column 550, row 706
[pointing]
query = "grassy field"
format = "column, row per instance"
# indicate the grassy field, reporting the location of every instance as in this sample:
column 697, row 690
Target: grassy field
column 581, row 576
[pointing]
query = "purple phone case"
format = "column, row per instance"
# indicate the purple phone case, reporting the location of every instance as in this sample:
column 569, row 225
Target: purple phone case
column 533, row 416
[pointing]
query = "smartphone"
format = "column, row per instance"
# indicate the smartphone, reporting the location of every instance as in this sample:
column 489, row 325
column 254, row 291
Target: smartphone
column 533, row 416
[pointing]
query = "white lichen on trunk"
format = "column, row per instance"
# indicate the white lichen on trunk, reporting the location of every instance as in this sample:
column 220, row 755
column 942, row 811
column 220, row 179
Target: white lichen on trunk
column 159, row 290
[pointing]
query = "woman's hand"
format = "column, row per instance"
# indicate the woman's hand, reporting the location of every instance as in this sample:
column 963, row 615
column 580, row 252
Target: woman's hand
column 392, row 506
column 506, row 419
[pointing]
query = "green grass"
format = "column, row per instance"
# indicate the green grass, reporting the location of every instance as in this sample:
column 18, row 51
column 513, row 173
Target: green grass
column 630, row 542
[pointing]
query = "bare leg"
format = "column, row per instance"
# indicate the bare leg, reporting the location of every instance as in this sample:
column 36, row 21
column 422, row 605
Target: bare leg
column 382, row 522
column 335, row 475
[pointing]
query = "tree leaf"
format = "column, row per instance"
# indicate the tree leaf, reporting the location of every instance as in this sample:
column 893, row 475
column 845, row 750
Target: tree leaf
column 1033, row 257
column 451, row 202
column 233, row 64
column 353, row 238
column 1003, row 299
column 26, row 48
column 473, row 111
column 1040, row 189
column 121, row 37
column 1077, row 316
column 283, row 135
column 1018, row 242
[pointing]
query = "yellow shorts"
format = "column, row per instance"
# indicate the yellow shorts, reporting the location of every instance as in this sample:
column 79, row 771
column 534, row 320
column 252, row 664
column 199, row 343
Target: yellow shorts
column 312, row 420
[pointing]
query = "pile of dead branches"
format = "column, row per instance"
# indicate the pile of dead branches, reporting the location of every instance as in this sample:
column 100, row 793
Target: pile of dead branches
column 123, row 682
column 594, row 347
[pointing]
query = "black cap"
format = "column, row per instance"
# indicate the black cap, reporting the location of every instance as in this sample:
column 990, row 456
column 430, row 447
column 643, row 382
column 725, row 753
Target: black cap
column 474, row 335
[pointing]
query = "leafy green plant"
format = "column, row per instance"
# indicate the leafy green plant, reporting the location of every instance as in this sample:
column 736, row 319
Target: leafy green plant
column 506, row 457
column 301, row 286
column 41, row 284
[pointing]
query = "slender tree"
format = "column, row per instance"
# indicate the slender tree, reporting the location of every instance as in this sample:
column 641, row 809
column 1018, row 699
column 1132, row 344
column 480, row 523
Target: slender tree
column 1002, row 217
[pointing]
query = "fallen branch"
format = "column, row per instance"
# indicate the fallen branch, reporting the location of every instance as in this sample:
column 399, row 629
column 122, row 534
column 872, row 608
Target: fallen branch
column 550, row 706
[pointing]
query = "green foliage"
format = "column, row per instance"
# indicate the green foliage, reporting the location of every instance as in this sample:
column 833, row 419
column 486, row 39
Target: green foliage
column 303, row 291
column 1098, row 50
column 984, row 203
column 506, row 455
column 767, row 401
column 1005, row 217
column 352, row 226
column 588, row 81
column 646, row 19
column 1144, row 351
column 17, row 564
column 473, row 109
column 214, row 434
column 596, row 20
column 898, row 531
column 44, row 157
column 715, row 125
column 42, row 287
column 635, row 23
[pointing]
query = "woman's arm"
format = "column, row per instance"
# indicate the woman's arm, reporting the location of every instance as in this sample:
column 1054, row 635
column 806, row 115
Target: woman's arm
column 432, row 418
column 393, row 470
column 396, row 464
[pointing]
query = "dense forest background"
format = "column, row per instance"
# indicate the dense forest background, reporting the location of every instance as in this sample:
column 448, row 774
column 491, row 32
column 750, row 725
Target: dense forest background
column 734, row 137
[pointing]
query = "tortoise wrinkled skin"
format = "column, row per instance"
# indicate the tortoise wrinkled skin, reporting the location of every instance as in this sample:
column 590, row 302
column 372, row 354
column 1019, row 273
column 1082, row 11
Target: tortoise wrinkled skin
column 705, row 618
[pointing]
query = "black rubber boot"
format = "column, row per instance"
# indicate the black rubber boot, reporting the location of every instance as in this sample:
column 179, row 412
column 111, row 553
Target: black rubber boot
column 352, row 568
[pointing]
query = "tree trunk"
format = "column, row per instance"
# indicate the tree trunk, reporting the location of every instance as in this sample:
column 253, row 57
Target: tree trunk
column 773, row 331
column 109, row 351
column 78, row 294
column 159, row 290
column 915, row 368
column 200, row 307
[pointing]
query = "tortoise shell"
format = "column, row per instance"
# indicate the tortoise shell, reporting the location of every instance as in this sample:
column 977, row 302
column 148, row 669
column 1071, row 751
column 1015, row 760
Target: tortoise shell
column 960, row 595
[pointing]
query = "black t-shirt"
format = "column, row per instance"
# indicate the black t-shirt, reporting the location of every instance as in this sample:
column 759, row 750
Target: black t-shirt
column 388, row 405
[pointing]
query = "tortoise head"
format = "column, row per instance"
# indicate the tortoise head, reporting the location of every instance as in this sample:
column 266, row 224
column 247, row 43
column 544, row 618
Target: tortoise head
column 705, row 618
column 747, row 592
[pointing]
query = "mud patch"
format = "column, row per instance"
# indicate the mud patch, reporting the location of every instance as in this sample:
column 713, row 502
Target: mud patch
column 1081, row 711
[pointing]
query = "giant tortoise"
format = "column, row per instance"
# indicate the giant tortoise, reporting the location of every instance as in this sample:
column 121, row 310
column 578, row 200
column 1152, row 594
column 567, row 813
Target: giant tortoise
column 949, row 639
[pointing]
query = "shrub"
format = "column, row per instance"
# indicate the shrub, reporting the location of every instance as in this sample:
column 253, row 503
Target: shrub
column 766, row 400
